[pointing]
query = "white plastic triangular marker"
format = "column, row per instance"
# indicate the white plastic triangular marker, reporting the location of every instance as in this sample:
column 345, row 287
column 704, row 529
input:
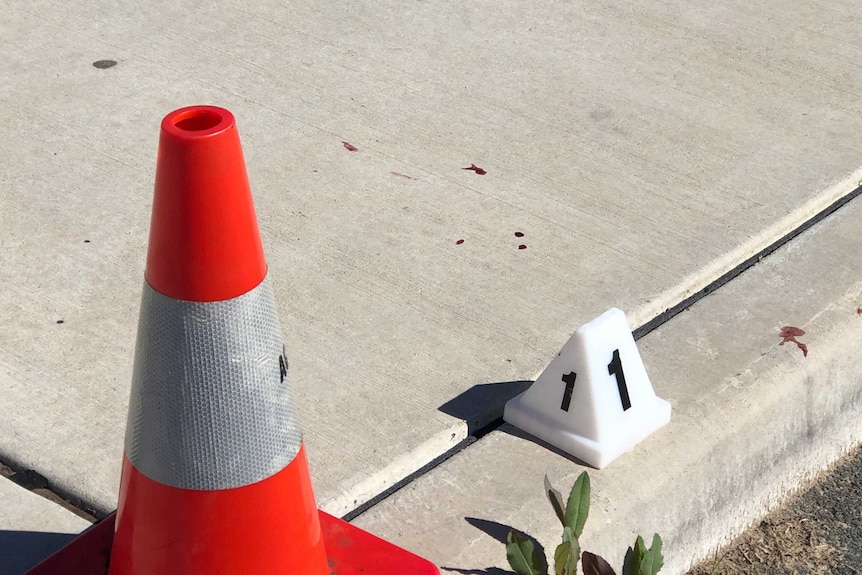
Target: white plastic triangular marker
column 594, row 400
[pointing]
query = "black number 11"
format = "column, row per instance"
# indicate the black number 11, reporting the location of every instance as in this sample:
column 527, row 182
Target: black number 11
column 615, row 367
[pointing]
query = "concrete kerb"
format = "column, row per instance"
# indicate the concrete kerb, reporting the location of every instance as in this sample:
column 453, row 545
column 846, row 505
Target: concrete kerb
column 752, row 421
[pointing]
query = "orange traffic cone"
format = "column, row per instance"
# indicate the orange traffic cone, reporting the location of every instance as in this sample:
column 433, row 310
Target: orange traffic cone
column 214, row 477
column 213, row 449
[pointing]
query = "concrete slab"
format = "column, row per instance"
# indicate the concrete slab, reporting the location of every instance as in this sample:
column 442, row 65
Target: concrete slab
column 751, row 422
column 31, row 528
column 642, row 151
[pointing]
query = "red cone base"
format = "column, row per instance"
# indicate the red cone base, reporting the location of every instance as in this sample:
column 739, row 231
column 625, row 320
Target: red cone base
column 349, row 550
column 163, row 529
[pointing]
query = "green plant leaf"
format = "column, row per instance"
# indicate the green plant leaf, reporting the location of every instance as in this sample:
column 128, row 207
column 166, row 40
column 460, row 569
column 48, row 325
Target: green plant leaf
column 632, row 562
column 595, row 565
column 523, row 555
column 567, row 554
column 578, row 506
column 556, row 499
column 561, row 556
column 652, row 559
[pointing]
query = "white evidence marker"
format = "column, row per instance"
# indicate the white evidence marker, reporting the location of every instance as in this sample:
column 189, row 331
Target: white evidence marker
column 594, row 400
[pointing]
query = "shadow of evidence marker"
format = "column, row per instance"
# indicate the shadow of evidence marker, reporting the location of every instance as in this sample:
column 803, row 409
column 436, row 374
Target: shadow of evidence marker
column 483, row 404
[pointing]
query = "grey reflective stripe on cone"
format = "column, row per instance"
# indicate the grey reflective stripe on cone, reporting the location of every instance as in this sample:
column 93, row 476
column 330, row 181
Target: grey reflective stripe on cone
column 210, row 406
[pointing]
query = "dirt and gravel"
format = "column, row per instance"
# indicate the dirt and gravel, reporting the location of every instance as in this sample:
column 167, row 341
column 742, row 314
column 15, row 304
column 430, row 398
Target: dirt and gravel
column 818, row 531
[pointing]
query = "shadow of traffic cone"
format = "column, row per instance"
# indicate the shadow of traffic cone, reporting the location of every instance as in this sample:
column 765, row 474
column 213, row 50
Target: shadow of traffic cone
column 214, row 476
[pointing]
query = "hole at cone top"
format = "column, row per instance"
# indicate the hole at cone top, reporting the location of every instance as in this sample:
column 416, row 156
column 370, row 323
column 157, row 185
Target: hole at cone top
column 197, row 120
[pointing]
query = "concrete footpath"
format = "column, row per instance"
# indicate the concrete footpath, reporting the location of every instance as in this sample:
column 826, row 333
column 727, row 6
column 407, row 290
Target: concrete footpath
column 638, row 153
column 642, row 152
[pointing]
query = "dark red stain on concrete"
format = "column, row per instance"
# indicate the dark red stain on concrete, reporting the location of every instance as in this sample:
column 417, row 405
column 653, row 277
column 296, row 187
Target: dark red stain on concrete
column 519, row 234
column 789, row 333
column 476, row 169
column 859, row 311
column 459, row 242
column 522, row 247
column 349, row 147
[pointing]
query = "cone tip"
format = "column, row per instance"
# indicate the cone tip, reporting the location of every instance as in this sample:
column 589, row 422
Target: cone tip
column 204, row 239
column 195, row 122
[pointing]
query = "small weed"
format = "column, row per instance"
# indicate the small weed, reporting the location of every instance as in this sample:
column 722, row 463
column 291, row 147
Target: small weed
column 527, row 559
